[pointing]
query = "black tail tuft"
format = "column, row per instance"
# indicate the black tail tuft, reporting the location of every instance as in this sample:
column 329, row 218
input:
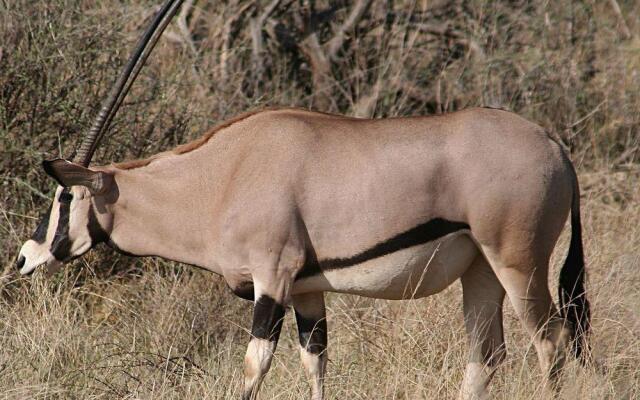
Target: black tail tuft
column 574, row 305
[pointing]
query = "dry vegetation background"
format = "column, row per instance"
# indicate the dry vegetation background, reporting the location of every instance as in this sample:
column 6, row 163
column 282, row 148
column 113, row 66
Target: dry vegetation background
column 109, row 326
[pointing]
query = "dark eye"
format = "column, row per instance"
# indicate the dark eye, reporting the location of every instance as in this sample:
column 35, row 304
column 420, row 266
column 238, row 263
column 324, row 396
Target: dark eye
column 65, row 197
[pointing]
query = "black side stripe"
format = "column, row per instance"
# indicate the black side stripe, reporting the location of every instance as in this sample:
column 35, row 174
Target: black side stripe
column 427, row 232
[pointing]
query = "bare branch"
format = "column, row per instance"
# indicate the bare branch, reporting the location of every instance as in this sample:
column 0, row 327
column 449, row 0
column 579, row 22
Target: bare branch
column 417, row 93
column 366, row 104
column 269, row 10
column 320, row 55
column 228, row 35
column 183, row 27
column 224, row 52
column 320, row 68
column 196, row 13
column 438, row 95
column 337, row 41
column 446, row 31
column 624, row 28
column 174, row 38
column 256, row 25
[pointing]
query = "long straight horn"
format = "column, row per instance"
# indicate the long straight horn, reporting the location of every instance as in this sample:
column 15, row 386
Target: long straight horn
column 128, row 75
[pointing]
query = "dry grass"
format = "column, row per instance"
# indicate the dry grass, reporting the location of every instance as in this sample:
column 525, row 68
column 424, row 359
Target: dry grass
column 169, row 333
column 114, row 327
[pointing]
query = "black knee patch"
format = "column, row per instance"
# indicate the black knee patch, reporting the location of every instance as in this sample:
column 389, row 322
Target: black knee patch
column 312, row 333
column 267, row 319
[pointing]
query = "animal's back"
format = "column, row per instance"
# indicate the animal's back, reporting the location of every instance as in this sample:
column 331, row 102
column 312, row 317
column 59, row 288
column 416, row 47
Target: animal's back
column 356, row 182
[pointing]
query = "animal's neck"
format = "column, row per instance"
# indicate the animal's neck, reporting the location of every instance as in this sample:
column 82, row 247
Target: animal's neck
column 165, row 211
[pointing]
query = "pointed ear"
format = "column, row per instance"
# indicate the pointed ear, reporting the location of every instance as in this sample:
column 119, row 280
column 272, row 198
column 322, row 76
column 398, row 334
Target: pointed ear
column 71, row 174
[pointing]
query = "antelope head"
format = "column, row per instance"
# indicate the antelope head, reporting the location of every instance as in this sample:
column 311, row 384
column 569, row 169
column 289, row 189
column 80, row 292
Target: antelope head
column 69, row 228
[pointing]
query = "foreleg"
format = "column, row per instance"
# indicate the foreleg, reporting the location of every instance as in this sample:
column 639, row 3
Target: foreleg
column 268, row 314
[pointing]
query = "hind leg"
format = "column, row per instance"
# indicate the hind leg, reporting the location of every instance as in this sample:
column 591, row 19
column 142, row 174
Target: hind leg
column 483, row 297
column 312, row 332
column 524, row 277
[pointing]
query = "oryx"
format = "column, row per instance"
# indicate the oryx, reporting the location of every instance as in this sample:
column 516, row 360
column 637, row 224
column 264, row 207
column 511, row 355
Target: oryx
column 287, row 204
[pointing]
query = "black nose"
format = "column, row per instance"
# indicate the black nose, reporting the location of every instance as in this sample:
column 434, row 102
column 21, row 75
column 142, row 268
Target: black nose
column 20, row 262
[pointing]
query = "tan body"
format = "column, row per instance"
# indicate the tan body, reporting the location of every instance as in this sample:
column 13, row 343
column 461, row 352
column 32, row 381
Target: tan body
column 277, row 176
column 260, row 198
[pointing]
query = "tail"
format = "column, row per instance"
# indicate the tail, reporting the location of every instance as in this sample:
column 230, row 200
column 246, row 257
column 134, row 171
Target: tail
column 574, row 306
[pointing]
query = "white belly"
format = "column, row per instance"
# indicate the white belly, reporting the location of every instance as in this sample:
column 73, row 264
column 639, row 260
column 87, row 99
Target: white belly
column 414, row 272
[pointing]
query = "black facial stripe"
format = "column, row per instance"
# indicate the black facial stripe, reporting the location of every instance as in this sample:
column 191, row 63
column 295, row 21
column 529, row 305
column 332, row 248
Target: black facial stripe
column 61, row 245
column 312, row 333
column 267, row 319
column 96, row 233
column 65, row 197
column 421, row 234
column 40, row 235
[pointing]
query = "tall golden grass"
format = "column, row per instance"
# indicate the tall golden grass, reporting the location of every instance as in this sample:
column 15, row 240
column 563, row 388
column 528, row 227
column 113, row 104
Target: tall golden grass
column 109, row 326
